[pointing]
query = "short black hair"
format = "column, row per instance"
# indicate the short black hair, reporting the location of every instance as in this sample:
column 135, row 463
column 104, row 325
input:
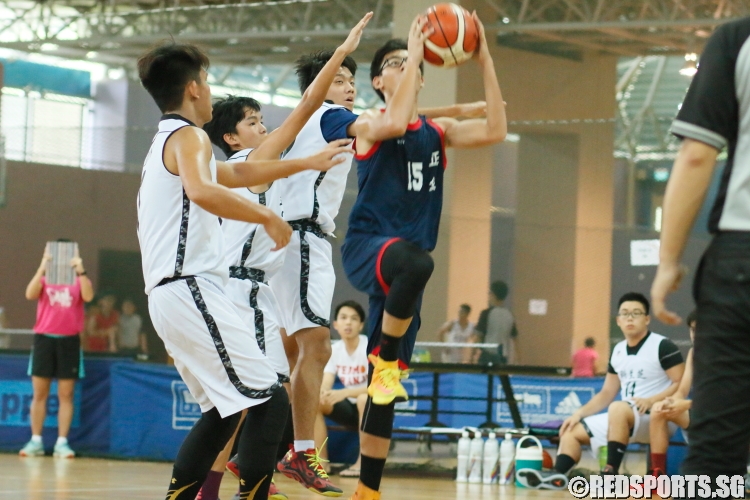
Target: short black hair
column 589, row 342
column 377, row 60
column 308, row 66
column 466, row 307
column 227, row 113
column 499, row 289
column 692, row 317
column 166, row 69
column 354, row 305
column 635, row 297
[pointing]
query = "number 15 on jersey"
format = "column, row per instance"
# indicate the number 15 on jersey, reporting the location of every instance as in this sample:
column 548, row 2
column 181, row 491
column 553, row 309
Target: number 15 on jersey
column 415, row 178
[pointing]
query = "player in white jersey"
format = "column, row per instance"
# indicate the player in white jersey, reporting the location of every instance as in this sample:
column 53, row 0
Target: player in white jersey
column 305, row 284
column 184, row 192
column 645, row 368
column 237, row 128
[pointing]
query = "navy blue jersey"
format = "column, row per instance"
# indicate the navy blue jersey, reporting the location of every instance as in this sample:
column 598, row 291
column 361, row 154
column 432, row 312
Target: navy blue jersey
column 401, row 186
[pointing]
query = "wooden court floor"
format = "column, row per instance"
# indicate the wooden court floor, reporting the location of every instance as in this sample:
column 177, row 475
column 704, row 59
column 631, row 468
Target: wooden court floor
column 46, row 478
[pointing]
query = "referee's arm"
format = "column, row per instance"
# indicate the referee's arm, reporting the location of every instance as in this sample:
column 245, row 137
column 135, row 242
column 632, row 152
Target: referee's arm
column 706, row 123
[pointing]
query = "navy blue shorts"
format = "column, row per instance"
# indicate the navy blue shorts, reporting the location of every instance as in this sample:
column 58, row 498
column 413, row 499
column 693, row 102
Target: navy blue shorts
column 361, row 258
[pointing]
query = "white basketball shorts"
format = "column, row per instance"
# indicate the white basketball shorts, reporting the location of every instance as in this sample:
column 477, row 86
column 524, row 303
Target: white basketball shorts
column 257, row 306
column 304, row 284
column 597, row 427
column 213, row 349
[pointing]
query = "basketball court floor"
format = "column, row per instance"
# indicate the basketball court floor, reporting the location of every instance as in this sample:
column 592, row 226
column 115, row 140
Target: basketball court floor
column 46, row 478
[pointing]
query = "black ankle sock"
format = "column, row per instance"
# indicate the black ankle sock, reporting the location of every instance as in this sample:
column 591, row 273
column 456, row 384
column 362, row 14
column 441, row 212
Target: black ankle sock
column 615, row 454
column 564, row 463
column 371, row 472
column 389, row 347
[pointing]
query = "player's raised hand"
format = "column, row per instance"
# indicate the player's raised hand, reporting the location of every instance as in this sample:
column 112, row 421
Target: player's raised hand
column 355, row 35
column 668, row 278
column 417, row 35
column 279, row 230
column 331, row 155
column 482, row 53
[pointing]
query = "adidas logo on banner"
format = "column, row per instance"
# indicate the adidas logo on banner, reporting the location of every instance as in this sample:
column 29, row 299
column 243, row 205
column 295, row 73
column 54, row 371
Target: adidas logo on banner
column 568, row 405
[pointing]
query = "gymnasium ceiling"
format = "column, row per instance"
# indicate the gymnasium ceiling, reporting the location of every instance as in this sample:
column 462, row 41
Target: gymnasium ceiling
column 252, row 42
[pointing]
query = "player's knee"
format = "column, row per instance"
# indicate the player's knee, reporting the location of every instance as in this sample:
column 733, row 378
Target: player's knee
column 315, row 343
column 618, row 409
column 421, row 266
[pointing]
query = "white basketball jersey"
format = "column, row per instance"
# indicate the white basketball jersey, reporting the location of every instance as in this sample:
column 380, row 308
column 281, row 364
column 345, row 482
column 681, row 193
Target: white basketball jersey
column 177, row 237
column 248, row 244
column 641, row 374
column 311, row 194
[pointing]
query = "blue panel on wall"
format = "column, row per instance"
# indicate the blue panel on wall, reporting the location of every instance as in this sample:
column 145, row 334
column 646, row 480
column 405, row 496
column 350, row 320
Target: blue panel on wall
column 44, row 78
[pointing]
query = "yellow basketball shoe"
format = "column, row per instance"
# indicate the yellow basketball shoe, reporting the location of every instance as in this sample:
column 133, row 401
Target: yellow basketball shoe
column 365, row 493
column 386, row 387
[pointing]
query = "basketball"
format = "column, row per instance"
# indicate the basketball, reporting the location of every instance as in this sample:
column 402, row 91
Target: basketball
column 455, row 36
column 547, row 462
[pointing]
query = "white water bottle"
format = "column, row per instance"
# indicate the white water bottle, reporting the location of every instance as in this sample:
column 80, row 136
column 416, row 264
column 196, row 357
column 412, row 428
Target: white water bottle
column 489, row 465
column 475, row 458
column 507, row 454
column 464, row 443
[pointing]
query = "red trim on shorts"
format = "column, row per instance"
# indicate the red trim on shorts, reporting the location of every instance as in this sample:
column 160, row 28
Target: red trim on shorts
column 441, row 132
column 379, row 275
column 368, row 154
column 401, row 364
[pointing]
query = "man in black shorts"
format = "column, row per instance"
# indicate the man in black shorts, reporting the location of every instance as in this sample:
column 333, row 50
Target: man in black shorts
column 348, row 363
column 57, row 351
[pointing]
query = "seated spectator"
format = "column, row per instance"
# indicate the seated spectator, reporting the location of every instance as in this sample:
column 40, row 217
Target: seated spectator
column 584, row 360
column 349, row 363
column 675, row 409
column 496, row 325
column 131, row 341
column 457, row 331
column 644, row 368
column 101, row 331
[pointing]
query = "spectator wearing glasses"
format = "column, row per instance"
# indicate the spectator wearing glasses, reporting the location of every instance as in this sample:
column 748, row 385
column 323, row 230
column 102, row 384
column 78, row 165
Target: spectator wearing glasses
column 645, row 368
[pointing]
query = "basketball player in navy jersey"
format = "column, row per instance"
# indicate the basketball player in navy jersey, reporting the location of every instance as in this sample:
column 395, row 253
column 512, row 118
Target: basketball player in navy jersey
column 304, row 286
column 183, row 193
column 393, row 225
column 237, row 128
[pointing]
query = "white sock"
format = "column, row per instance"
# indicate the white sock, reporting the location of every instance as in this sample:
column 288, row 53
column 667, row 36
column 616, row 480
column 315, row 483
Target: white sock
column 304, row 445
column 61, row 440
column 36, row 439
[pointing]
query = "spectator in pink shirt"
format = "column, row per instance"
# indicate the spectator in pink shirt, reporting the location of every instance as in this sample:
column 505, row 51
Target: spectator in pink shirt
column 584, row 360
column 56, row 352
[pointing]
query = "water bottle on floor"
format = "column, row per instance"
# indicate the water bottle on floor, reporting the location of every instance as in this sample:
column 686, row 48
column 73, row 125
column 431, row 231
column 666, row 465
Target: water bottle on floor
column 475, row 458
column 489, row 465
column 464, row 443
column 507, row 455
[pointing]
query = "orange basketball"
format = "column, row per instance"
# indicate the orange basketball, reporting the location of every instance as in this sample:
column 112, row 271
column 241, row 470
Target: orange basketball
column 455, row 36
column 547, row 462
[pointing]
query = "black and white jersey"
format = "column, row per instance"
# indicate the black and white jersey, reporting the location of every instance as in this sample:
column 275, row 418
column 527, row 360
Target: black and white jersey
column 311, row 194
column 177, row 237
column 248, row 244
column 642, row 369
column 716, row 111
